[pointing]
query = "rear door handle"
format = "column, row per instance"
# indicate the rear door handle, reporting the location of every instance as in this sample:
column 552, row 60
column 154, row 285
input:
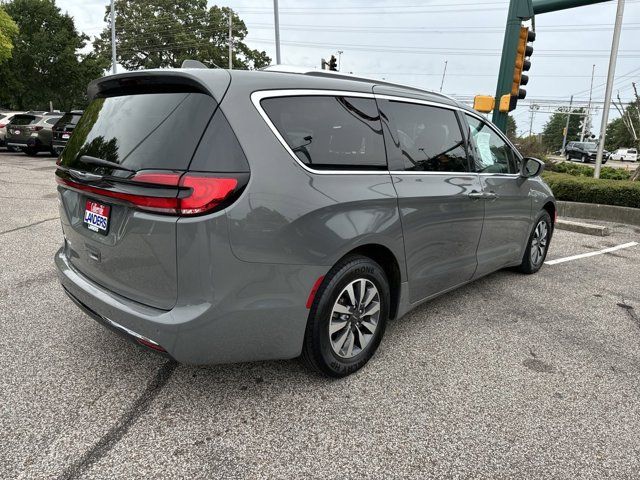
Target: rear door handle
column 474, row 195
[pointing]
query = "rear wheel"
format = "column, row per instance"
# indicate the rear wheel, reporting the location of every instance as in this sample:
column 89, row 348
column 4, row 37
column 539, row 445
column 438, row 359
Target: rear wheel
column 568, row 157
column 538, row 245
column 32, row 152
column 348, row 317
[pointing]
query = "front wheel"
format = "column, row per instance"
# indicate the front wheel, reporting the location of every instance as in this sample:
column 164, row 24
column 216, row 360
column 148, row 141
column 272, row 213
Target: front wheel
column 347, row 318
column 584, row 159
column 31, row 151
column 538, row 244
column 568, row 157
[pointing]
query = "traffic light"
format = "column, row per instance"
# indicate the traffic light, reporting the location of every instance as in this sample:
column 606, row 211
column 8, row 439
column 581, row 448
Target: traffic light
column 522, row 64
column 333, row 64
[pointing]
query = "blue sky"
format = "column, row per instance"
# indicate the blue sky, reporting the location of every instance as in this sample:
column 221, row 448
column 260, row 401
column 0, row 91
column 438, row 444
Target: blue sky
column 420, row 36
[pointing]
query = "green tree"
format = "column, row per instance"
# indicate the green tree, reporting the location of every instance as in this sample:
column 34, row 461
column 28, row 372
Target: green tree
column 620, row 135
column 8, row 31
column 164, row 33
column 46, row 64
column 553, row 130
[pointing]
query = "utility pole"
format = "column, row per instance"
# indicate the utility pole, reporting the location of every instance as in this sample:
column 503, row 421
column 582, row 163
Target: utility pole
column 533, row 109
column 230, row 40
column 587, row 119
column 443, row 74
column 340, row 52
column 566, row 127
column 607, row 96
column 276, row 22
column 113, row 37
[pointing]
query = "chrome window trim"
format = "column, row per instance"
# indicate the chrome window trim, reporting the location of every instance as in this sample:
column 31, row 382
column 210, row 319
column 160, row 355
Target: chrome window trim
column 258, row 96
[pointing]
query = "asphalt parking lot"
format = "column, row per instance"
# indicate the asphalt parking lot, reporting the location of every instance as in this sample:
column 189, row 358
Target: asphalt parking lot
column 510, row 377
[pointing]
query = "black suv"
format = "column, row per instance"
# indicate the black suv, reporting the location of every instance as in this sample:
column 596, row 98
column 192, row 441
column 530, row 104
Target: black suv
column 584, row 151
column 63, row 128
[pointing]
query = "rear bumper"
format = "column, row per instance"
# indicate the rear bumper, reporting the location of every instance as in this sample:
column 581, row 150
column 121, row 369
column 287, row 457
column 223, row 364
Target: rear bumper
column 239, row 327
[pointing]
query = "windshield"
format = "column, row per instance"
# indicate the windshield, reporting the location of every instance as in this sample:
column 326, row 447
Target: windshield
column 157, row 131
column 70, row 118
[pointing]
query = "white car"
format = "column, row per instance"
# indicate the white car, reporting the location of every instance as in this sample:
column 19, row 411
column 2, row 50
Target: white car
column 5, row 118
column 622, row 154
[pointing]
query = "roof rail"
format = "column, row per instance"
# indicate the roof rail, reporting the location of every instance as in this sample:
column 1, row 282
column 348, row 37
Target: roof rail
column 346, row 76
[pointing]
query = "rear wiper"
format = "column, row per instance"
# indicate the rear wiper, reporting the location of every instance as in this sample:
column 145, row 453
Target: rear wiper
column 104, row 163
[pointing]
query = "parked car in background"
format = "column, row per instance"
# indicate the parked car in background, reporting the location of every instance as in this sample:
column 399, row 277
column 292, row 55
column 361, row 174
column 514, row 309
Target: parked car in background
column 625, row 154
column 32, row 132
column 62, row 130
column 586, row 152
column 222, row 216
column 5, row 118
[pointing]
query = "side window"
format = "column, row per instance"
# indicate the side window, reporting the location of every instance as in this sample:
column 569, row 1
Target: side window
column 330, row 133
column 494, row 155
column 52, row 121
column 424, row 138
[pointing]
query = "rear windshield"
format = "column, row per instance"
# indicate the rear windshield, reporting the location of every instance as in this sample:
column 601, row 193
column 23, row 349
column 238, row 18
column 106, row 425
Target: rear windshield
column 591, row 146
column 70, row 118
column 145, row 131
column 632, row 150
column 25, row 120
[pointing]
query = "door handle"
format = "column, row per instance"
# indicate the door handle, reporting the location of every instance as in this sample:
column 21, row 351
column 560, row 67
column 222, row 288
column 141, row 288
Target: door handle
column 475, row 195
column 490, row 195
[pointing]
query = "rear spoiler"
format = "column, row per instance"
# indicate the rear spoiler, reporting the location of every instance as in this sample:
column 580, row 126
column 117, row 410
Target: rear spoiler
column 213, row 82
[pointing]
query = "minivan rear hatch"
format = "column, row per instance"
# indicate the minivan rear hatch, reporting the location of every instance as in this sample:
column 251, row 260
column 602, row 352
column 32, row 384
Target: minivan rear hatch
column 122, row 178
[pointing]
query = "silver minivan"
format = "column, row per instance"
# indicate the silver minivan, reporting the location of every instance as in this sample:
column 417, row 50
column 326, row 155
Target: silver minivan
column 224, row 216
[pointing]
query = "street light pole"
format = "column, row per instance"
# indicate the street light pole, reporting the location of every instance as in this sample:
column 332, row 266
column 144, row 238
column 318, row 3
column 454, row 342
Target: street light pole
column 340, row 52
column 230, row 40
column 607, row 96
column 113, row 38
column 276, row 22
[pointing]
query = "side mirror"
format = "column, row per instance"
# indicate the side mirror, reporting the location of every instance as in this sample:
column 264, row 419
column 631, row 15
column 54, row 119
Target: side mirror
column 531, row 167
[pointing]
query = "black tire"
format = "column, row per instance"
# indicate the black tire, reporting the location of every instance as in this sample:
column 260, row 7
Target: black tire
column 584, row 159
column 568, row 157
column 528, row 264
column 32, row 152
column 317, row 350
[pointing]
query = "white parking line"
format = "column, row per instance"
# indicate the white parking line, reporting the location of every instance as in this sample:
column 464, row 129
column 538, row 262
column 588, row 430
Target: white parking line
column 591, row 254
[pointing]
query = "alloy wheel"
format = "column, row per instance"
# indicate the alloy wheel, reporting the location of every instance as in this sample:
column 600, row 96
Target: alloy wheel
column 539, row 242
column 354, row 318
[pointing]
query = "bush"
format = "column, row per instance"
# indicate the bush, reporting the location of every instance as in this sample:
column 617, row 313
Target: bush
column 571, row 188
column 579, row 170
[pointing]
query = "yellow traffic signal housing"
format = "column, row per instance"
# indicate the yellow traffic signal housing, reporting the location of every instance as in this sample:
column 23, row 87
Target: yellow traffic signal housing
column 505, row 103
column 521, row 65
column 484, row 103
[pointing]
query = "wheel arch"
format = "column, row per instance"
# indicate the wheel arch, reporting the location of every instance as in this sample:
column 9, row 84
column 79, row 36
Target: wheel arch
column 384, row 257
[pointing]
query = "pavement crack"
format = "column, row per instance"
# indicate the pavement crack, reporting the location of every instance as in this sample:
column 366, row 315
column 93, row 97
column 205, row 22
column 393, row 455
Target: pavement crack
column 630, row 311
column 119, row 430
column 30, row 225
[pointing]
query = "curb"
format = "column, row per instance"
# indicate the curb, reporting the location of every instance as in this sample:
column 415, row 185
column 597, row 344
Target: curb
column 596, row 211
column 586, row 228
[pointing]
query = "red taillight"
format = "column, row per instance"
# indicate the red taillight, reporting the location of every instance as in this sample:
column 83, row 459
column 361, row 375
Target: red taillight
column 193, row 194
column 2, row 125
column 206, row 193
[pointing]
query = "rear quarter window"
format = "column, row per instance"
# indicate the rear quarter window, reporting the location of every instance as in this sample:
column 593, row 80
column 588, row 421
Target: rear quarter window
column 330, row 132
